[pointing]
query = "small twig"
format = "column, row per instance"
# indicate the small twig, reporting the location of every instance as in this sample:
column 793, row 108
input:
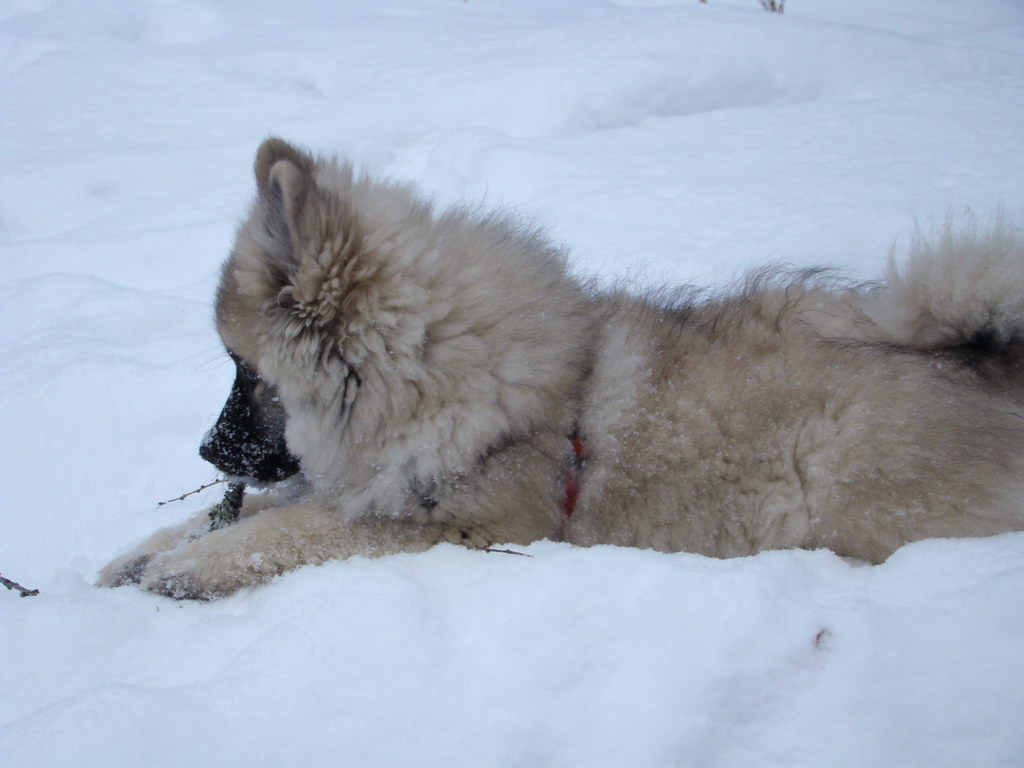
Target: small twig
column 506, row 552
column 17, row 587
column 197, row 490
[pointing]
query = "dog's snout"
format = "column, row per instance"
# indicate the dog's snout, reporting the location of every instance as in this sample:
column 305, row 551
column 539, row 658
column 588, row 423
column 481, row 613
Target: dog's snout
column 248, row 438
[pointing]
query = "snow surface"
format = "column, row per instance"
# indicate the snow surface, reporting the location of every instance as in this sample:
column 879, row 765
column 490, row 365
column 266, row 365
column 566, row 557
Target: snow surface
column 662, row 140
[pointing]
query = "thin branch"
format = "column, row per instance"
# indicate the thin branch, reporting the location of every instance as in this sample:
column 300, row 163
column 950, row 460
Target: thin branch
column 197, row 490
column 18, row 588
column 506, row 552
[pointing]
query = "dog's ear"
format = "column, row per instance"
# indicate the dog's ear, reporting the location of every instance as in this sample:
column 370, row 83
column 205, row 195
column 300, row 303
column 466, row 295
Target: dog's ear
column 284, row 180
column 273, row 150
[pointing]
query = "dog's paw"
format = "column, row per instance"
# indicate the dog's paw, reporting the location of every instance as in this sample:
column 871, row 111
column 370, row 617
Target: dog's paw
column 214, row 566
column 127, row 569
column 182, row 584
column 130, row 567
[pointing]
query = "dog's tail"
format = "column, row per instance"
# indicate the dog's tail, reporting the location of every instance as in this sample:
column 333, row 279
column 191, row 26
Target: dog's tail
column 964, row 287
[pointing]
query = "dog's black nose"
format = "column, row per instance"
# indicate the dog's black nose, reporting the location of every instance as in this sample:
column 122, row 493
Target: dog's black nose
column 248, row 439
column 239, row 454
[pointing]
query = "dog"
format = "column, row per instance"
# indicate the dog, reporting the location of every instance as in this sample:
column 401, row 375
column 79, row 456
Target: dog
column 407, row 377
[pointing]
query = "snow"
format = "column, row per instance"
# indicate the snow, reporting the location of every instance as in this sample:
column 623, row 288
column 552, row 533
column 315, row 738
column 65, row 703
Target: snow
column 661, row 141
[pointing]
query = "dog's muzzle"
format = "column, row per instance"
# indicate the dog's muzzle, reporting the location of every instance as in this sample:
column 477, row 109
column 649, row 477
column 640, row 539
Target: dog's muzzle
column 247, row 441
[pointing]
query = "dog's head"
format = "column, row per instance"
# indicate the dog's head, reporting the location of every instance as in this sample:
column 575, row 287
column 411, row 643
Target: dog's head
column 379, row 343
column 277, row 311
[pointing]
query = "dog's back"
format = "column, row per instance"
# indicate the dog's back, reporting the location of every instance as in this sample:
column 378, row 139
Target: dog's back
column 801, row 413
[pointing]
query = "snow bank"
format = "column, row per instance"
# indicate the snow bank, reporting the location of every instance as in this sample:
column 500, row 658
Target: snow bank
column 572, row 657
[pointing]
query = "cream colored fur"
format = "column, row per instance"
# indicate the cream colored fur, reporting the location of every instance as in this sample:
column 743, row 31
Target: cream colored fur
column 433, row 366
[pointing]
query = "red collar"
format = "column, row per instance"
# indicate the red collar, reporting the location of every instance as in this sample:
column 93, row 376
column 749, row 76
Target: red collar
column 574, row 473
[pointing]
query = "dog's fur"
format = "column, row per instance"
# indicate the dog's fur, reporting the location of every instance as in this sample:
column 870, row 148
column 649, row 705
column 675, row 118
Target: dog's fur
column 429, row 370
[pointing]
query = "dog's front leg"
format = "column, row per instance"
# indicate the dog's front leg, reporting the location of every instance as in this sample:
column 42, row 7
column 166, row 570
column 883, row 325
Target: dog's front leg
column 130, row 567
column 278, row 540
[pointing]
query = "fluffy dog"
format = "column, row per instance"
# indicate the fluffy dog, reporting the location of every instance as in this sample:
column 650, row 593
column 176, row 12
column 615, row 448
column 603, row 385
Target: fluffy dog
column 416, row 377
